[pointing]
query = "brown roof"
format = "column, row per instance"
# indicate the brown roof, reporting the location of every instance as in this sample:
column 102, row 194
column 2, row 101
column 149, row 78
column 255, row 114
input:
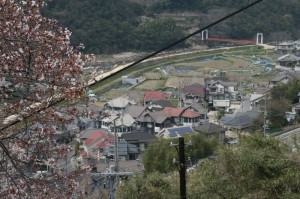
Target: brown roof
column 94, row 137
column 173, row 112
column 197, row 89
column 155, row 96
column 190, row 114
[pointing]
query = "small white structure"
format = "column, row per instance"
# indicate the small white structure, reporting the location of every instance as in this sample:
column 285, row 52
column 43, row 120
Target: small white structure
column 259, row 38
column 132, row 80
column 204, row 35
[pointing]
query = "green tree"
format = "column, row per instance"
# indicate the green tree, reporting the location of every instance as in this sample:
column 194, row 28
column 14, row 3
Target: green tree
column 159, row 155
column 258, row 167
column 152, row 35
column 219, row 115
column 150, row 186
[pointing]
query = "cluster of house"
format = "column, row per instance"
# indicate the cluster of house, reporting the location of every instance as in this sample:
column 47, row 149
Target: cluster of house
column 290, row 59
column 136, row 120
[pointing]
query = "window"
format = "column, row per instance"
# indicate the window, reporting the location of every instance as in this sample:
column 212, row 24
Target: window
column 132, row 157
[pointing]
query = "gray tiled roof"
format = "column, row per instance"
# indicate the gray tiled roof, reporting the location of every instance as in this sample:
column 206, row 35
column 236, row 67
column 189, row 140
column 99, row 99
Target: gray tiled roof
column 289, row 57
column 284, row 74
column 135, row 111
column 119, row 102
column 138, row 136
column 240, row 122
column 209, row 128
column 159, row 116
column 162, row 103
column 219, row 80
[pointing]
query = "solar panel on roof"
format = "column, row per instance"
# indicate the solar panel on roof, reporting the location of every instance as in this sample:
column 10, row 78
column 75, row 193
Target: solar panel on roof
column 180, row 130
column 173, row 134
column 182, row 133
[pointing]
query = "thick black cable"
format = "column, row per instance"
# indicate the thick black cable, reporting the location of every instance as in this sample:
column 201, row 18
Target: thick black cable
column 153, row 54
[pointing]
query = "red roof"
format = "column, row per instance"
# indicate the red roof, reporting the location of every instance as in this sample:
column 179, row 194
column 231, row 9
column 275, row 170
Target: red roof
column 83, row 154
column 155, row 96
column 105, row 142
column 196, row 89
column 173, row 112
column 94, row 137
column 190, row 114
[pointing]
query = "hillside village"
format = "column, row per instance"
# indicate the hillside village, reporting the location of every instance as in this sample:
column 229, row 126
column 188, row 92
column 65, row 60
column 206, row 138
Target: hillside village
column 135, row 99
column 135, row 119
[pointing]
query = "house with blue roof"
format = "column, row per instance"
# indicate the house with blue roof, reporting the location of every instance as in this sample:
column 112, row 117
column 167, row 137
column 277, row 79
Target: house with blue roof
column 175, row 132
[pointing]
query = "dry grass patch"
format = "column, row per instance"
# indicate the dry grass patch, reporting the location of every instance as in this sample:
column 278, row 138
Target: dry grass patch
column 114, row 93
column 174, row 82
column 151, row 85
column 153, row 75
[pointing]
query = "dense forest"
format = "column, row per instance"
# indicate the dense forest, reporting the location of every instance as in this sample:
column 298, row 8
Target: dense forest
column 138, row 25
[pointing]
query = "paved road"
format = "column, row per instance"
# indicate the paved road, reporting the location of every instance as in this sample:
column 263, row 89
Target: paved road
column 290, row 135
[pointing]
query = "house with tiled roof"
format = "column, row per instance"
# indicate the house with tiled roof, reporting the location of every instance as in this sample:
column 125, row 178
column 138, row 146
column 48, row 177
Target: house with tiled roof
column 135, row 96
column 283, row 78
column 219, row 89
column 159, row 105
column 153, row 122
column 121, row 123
column 194, row 93
column 186, row 116
column 90, row 140
column 175, row 132
column 292, row 47
column 288, row 60
column 118, row 104
column 241, row 122
column 150, row 96
column 126, row 151
column 139, row 138
column 211, row 130
column 79, row 117
column 136, row 111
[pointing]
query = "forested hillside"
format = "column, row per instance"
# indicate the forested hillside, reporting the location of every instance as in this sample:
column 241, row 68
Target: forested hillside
column 138, row 25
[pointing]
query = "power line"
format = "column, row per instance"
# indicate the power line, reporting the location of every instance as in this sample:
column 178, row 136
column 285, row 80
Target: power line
column 147, row 57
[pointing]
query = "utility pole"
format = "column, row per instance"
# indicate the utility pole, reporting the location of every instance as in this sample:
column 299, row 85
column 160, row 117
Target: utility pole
column 182, row 168
column 179, row 95
column 265, row 114
column 116, row 147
